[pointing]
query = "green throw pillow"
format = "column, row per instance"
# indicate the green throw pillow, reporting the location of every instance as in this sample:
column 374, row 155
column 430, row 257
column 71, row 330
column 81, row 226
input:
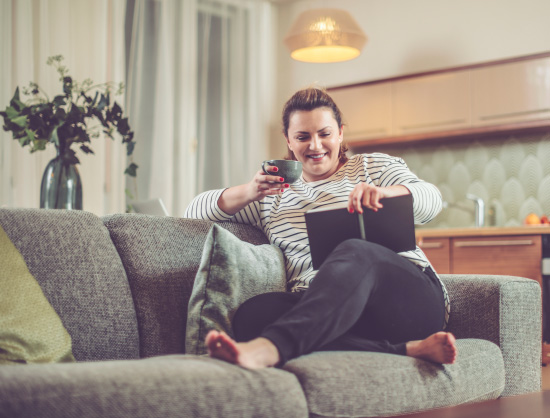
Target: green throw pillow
column 231, row 271
column 30, row 329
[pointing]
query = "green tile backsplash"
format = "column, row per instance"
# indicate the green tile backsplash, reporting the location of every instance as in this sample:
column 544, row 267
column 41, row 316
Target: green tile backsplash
column 511, row 174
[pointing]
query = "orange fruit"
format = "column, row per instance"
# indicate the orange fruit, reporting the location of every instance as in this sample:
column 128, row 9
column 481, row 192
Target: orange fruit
column 532, row 219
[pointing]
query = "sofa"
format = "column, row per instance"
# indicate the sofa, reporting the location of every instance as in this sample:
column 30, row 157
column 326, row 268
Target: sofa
column 121, row 286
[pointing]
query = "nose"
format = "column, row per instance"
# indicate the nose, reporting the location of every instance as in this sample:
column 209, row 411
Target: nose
column 316, row 143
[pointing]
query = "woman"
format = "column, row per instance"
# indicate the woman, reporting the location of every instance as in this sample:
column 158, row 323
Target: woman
column 364, row 297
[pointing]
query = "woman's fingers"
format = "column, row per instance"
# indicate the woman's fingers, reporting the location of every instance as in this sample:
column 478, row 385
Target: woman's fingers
column 365, row 195
column 267, row 184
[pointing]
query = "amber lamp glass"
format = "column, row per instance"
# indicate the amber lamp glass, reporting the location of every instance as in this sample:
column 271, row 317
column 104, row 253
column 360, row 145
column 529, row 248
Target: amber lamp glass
column 325, row 35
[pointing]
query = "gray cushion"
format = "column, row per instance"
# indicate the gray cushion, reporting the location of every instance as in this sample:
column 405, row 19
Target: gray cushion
column 163, row 387
column 161, row 256
column 72, row 257
column 358, row 384
column 507, row 311
column 231, row 272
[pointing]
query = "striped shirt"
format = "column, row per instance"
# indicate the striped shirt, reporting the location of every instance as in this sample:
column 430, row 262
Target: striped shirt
column 282, row 219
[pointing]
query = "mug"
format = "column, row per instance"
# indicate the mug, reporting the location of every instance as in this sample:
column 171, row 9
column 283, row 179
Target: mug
column 289, row 170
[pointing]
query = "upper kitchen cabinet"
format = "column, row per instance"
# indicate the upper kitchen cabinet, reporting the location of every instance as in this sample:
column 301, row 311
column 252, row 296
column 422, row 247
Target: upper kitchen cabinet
column 431, row 103
column 510, row 93
column 474, row 101
column 366, row 110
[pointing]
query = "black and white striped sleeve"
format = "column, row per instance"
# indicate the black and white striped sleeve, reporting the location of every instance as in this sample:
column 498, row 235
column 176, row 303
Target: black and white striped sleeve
column 205, row 206
column 427, row 201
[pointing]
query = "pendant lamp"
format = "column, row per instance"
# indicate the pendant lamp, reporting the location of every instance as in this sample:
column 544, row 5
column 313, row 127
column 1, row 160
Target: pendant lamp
column 325, row 35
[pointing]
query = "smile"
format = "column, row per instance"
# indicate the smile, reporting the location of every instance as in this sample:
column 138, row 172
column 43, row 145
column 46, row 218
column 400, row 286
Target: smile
column 316, row 156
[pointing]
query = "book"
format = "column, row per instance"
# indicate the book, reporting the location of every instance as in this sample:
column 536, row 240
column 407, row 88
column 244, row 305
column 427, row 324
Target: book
column 391, row 226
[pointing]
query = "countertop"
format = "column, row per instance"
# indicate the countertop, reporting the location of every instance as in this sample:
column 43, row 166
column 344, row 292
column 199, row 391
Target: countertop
column 482, row 232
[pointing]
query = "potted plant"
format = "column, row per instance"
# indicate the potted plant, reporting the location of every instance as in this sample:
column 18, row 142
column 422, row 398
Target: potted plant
column 71, row 119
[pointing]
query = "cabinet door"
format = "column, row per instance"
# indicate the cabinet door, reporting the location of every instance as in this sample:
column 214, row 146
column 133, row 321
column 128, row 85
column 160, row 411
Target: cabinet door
column 512, row 92
column 432, row 103
column 438, row 252
column 366, row 110
column 508, row 255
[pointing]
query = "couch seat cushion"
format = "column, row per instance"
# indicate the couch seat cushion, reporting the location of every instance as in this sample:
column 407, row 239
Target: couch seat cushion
column 359, row 384
column 169, row 386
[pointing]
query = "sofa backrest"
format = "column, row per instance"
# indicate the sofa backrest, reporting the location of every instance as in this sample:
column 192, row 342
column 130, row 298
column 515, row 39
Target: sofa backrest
column 72, row 257
column 161, row 256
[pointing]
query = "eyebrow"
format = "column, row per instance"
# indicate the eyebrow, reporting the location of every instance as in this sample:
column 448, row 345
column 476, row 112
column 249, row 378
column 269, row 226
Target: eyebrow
column 306, row 132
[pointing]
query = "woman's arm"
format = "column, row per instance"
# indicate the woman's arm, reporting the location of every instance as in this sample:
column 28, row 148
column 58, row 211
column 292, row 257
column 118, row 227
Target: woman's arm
column 223, row 204
column 391, row 178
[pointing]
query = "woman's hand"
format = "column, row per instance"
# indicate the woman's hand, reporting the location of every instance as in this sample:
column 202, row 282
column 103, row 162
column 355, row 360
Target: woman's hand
column 236, row 198
column 263, row 185
column 368, row 195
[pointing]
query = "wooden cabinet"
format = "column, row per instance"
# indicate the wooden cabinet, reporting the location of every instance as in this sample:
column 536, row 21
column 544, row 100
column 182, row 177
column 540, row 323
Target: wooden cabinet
column 513, row 255
column 513, row 92
column 367, row 111
column 431, row 103
column 509, row 255
column 459, row 103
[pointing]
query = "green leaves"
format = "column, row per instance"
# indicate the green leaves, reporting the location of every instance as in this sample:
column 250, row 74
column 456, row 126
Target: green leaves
column 20, row 121
column 69, row 117
column 131, row 170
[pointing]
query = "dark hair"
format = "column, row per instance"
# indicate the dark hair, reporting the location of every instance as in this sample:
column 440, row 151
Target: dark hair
column 309, row 99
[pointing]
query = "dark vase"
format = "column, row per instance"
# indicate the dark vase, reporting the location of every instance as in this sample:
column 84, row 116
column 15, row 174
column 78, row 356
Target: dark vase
column 61, row 185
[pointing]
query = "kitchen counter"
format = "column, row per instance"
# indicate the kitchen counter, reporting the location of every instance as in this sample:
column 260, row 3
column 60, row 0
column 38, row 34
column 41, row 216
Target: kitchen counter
column 482, row 232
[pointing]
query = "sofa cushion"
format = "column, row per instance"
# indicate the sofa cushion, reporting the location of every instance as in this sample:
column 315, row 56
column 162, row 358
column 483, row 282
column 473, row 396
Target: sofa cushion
column 30, row 329
column 359, row 384
column 231, row 272
column 71, row 255
column 161, row 256
column 170, row 386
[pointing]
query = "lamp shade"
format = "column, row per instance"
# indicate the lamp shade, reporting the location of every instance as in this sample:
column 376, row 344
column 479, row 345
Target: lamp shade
column 325, row 35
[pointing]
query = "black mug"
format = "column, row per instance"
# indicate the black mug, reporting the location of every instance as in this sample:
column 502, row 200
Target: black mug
column 289, row 170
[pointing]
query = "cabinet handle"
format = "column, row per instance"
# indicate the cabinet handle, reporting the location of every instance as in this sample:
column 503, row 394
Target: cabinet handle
column 429, row 125
column 429, row 245
column 512, row 114
column 503, row 243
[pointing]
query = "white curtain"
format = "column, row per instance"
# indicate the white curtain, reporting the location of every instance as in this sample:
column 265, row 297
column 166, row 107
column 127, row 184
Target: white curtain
column 90, row 35
column 200, row 85
column 235, row 90
column 161, row 100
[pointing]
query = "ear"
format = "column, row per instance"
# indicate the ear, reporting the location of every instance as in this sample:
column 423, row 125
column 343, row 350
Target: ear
column 341, row 133
column 288, row 143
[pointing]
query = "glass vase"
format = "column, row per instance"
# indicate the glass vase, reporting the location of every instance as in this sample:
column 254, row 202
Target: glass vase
column 61, row 185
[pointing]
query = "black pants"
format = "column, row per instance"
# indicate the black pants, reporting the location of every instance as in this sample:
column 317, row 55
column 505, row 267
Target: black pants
column 363, row 298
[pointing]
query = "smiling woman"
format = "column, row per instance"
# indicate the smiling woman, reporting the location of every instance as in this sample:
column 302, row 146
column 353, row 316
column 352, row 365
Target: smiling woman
column 364, row 297
column 313, row 128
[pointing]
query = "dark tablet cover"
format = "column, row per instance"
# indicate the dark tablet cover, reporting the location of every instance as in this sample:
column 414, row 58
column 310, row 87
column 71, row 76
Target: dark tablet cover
column 391, row 226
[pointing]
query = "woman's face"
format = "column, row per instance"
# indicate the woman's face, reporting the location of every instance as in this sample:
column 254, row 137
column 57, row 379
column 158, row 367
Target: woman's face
column 314, row 137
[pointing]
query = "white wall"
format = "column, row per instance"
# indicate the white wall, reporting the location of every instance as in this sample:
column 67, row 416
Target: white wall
column 409, row 36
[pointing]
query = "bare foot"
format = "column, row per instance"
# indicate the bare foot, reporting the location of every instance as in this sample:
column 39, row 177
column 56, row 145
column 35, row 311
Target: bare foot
column 439, row 348
column 255, row 354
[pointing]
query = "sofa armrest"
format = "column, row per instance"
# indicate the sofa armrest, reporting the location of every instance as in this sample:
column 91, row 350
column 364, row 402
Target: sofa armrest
column 507, row 311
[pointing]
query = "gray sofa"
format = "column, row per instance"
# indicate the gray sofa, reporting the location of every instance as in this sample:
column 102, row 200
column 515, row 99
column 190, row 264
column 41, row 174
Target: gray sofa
column 121, row 286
